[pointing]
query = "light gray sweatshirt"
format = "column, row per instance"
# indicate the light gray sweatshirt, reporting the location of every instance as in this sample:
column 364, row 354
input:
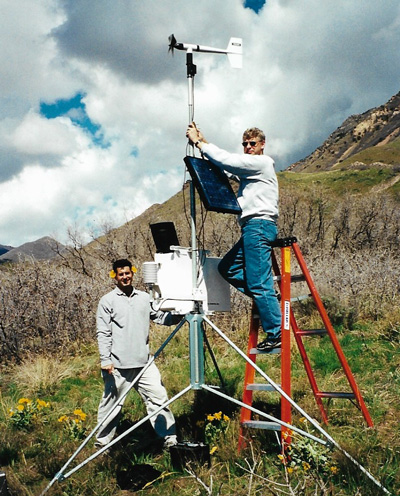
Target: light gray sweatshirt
column 258, row 192
column 123, row 328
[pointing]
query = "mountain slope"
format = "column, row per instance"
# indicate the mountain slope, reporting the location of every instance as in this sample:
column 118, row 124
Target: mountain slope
column 41, row 249
column 376, row 131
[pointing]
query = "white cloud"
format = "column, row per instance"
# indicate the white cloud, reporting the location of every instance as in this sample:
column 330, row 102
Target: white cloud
column 308, row 65
column 30, row 66
column 36, row 135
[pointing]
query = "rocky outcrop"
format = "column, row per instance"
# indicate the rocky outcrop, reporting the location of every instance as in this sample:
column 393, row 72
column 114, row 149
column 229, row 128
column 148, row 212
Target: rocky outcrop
column 376, row 127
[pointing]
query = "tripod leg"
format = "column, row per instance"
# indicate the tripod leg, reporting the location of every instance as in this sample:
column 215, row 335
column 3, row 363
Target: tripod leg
column 268, row 379
column 59, row 476
column 131, row 429
column 213, row 357
column 266, row 415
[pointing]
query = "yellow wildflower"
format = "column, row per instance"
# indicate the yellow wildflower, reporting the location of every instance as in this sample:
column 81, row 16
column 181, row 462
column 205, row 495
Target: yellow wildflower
column 306, row 466
column 290, row 470
column 42, row 404
column 210, row 418
column 80, row 414
column 23, row 401
column 63, row 418
column 213, row 450
column 226, row 418
column 334, row 469
column 20, row 408
column 218, row 415
column 281, row 457
column 287, row 433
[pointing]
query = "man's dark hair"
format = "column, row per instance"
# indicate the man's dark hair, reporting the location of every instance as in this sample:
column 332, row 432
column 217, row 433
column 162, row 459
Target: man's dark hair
column 123, row 262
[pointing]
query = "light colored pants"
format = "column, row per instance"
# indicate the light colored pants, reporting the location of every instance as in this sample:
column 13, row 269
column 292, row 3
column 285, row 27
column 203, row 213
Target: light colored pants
column 150, row 388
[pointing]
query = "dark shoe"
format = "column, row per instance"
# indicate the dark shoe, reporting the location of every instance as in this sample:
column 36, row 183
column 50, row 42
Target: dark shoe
column 269, row 344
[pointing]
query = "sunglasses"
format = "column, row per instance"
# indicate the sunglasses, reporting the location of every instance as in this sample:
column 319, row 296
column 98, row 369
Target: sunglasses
column 251, row 143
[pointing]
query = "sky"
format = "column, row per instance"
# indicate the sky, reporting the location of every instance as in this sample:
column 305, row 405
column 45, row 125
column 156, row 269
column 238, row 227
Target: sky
column 94, row 108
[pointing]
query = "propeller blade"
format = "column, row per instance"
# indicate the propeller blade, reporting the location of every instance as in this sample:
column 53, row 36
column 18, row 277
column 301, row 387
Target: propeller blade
column 172, row 43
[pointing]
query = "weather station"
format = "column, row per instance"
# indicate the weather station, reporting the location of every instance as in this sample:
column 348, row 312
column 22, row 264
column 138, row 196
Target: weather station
column 185, row 281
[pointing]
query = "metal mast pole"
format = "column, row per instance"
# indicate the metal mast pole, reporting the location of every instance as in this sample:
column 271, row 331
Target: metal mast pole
column 195, row 320
column 191, row 72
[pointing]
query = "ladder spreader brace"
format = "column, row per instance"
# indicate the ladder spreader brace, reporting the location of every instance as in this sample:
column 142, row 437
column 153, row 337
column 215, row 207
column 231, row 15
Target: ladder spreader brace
column 284, row 279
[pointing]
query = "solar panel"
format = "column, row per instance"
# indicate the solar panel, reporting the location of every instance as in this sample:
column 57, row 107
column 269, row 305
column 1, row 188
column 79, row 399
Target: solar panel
column 213, row 186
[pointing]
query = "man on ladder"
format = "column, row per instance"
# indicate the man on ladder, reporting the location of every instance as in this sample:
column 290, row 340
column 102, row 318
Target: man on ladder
column 247, row 266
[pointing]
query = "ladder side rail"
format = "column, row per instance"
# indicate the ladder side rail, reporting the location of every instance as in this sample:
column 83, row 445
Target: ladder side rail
column 332, row 334
column 249, row 374
column 286, row 365
column 300, row 345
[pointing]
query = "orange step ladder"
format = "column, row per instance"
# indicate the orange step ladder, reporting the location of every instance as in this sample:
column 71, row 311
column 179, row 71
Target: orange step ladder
column 284, row 278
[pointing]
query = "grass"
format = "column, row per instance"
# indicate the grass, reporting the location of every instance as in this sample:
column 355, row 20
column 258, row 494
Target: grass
column 41, row 375
column 32, row 456
column 341, row 182
column 387, row 154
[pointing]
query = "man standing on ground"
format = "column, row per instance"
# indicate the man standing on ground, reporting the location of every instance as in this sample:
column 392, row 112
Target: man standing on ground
column 123, row 318
column 247, row 266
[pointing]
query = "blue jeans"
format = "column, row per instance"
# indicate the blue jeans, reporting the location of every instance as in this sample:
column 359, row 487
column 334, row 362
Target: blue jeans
column 247, row 266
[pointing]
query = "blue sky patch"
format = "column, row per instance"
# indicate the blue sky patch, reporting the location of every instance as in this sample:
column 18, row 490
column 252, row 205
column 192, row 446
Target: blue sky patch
column 75, row 109
column 255, row 5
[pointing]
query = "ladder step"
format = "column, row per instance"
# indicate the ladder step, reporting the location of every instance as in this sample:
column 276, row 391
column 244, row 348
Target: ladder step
column 281, row 242
column 274, row 351
column 324, row 394
column 293, row 278
column 260, row 387
column 262, row 424
column 311, row 332
column 300, row 298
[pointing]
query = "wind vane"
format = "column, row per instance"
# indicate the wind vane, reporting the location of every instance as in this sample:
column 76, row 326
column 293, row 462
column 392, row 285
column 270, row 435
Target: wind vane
column 233, row 50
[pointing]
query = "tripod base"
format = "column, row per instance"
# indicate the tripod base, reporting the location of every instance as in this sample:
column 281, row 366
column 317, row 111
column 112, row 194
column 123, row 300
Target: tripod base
column 196, row 344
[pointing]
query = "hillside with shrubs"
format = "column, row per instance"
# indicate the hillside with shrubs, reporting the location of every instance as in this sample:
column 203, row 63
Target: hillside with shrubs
column 347, row 223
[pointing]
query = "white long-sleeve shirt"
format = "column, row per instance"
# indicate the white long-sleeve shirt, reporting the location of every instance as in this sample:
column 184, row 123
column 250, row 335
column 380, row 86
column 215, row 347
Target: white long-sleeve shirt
column 258, row 192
